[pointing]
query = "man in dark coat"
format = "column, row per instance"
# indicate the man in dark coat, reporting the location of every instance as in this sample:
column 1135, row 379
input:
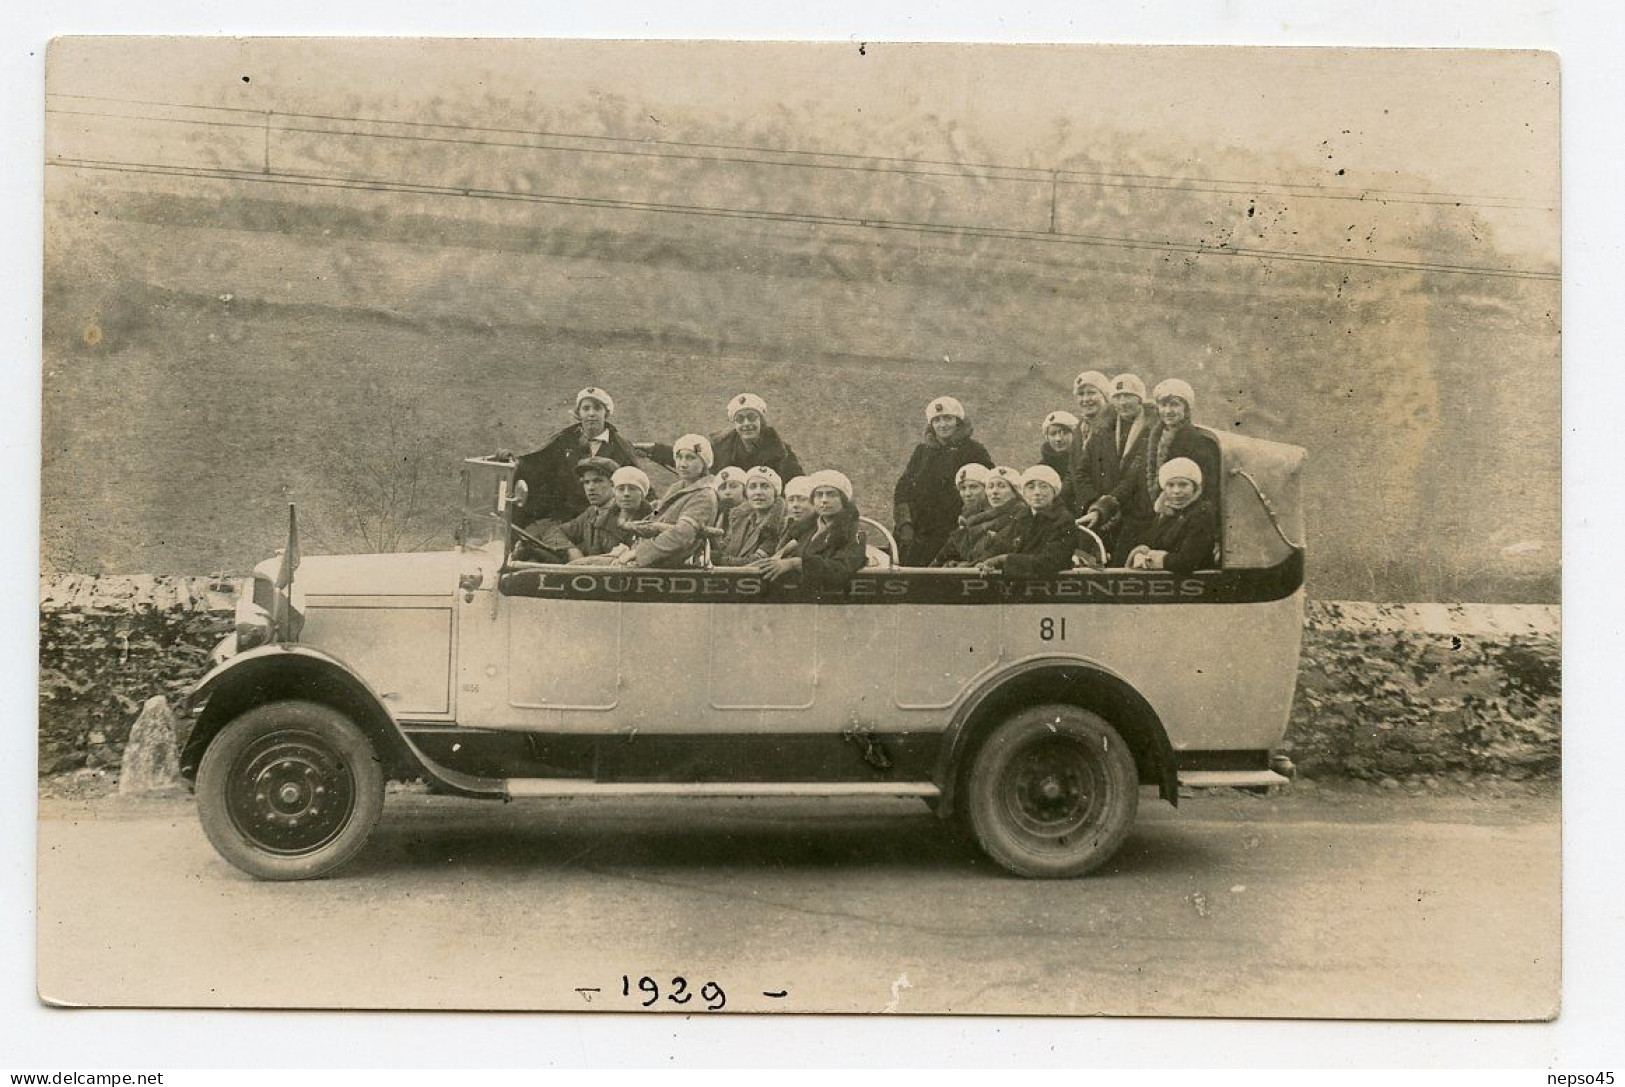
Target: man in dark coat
column 550, row 472
column 748, row 442
column 1044, row 537
column 600, row 528
column 547, row 540
column 926, row 502
column 1113, row 461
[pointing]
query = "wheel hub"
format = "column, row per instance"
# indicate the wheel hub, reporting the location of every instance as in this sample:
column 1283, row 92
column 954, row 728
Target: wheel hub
column 294, row 793
column 1052, row 790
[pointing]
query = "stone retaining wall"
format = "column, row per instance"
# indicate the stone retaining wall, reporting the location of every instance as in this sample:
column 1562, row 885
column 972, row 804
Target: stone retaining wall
column 1402, row 690
column 107, row 644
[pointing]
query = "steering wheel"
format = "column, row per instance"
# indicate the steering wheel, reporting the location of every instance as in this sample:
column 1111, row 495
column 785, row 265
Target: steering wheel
column 499, row 517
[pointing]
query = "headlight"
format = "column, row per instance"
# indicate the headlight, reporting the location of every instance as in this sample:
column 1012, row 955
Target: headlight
column 256, row 606
column 224, row 650
column 253, row 624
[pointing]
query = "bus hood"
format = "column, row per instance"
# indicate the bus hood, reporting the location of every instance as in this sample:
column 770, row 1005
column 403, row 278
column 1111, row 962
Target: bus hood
column 418, row 573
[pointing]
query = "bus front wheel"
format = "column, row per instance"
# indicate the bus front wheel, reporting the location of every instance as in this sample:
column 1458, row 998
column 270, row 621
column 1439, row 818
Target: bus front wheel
column 289, row 790
column 1052, row 792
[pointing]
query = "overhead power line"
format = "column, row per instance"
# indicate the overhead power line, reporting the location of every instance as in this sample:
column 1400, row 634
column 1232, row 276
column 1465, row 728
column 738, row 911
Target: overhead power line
column 924, row 167
column 718, row 212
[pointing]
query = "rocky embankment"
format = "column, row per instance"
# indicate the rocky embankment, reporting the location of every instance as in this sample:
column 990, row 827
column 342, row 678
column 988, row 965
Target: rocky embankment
column 1386, row 692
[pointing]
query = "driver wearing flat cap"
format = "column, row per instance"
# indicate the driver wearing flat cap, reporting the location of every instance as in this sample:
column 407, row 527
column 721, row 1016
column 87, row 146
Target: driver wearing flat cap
column 594, row 531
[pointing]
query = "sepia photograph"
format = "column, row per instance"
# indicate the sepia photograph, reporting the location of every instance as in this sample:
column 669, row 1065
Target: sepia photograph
column 764, row 527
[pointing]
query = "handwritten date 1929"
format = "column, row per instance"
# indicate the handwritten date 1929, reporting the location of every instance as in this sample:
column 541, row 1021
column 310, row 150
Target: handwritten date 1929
column 646, row 990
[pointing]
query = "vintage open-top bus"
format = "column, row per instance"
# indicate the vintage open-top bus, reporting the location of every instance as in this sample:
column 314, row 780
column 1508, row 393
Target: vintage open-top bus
column 1033, row 708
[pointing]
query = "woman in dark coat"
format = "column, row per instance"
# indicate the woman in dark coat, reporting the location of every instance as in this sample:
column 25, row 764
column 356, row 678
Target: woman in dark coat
column 1092, row 390
column 971, row 483
column 730, row 495
column 986, row 532
column 926, row 503
column 1184, row 535
column 1060, row 432
column 550, row 472
column 798, row 508
column 1044, row 537
column 825, row 548
column 755, row 528
column 1174, row 435
column 748, row 442
column 1170, row 434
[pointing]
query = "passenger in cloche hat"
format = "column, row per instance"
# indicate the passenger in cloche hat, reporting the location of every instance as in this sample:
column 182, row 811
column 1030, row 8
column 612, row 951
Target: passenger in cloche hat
column 748, row 441
column 553, row 491
column 826, row 548
column 984, row 533
column 1058, row 451
column 1174, row 434
column 926, row 502
column 1128, row 402
column 1003, row 486
column 1171, row 434
column 1043, row 538
column 798, row 498
column 1184, row 535
column 632, row 488
column 730, row 492
column 684, row 512
column 1092, row 391
column 1115, row 453
column 755, row 528
column 971, row 481
column 798, row 506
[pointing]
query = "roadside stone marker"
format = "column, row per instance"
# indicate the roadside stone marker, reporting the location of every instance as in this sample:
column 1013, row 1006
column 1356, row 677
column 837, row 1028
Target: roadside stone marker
column 151, row 760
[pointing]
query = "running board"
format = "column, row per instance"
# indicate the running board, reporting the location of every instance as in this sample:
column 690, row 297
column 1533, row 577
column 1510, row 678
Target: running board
column 1234, row 779
column 533, row 788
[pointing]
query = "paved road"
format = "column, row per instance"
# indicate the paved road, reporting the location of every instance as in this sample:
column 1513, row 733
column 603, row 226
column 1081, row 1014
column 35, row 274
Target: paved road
column 1325, row 905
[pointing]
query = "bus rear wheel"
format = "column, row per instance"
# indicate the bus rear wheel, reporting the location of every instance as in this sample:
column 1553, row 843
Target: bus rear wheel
column 289, row 790
column 1052, row 793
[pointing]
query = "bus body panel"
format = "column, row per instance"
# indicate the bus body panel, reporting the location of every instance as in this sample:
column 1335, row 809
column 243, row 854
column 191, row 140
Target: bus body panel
column 1218, row 676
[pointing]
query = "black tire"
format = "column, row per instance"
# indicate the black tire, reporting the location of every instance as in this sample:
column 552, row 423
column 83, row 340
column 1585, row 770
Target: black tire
column 289, row 790
column 1052, row 793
